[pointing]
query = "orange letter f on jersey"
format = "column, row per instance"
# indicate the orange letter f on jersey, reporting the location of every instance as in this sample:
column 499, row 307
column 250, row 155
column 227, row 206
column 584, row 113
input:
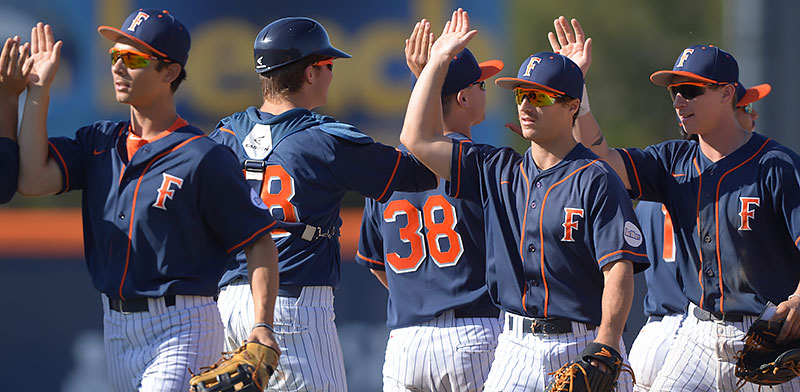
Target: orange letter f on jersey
column 746, row 213
column 164, row 192
column 570, row 224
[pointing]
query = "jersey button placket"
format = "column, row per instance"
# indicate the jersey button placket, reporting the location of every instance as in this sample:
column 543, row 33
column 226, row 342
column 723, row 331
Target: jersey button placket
column 121, row 215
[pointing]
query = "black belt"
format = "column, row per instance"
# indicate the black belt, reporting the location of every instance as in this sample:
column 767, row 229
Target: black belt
column 548, row 326
column 655, row 317
column 466, row 312
column 136, row 305
column 705, row 315
column 291, row 291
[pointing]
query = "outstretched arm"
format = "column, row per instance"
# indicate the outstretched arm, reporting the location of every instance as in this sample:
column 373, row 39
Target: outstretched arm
column 424, row 123
column 15, row 66
column 570, row 41
column 38, row 172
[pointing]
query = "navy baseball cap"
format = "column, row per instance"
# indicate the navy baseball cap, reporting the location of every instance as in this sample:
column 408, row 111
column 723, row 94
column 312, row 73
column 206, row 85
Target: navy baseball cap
column 747, row 96
column 704, row 63
column 547, row 71
column 464, row 70
column 155, row 29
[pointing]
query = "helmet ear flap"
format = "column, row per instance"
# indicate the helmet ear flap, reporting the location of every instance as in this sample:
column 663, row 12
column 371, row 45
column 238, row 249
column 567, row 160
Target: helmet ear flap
column 287, row 40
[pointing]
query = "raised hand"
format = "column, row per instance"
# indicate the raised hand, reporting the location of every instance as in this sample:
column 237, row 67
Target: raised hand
column 46, row 55
column 455, row 36
column 418, row 47
column 571, row 42
column 15, row 66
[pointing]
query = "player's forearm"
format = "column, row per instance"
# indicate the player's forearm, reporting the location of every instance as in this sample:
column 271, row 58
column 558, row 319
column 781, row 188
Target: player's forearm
column 262, row 268
column 9, row 106
column 616, row 302
column 34, row 178
column 381, row 275
column 424, row 123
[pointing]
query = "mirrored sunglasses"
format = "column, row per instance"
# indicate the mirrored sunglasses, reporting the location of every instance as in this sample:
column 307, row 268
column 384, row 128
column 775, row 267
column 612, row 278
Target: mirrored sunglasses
column 688, row 90
column 132, row 58
column 747, row 108
column 535, row 97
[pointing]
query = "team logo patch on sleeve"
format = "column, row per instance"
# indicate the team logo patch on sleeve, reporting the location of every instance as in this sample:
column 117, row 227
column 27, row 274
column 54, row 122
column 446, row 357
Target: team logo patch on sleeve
column 256, row 200
column 632, row 234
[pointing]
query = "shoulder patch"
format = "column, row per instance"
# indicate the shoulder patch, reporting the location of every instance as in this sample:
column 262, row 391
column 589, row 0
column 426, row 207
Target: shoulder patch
column 256, row 200
column 632, row 234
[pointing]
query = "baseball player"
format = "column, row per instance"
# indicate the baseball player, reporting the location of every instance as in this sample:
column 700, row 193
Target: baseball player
column 664, row 304
column 15, row 66
column 155, row 235
column 302, row 163
column 561, row 235
column 734, row 200
column 427, row 249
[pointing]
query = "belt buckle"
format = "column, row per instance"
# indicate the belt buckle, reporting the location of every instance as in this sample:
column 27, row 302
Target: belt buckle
column 534, row 325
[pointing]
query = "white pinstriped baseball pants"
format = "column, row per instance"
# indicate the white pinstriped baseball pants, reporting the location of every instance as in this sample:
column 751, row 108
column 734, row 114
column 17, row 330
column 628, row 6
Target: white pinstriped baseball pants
column 152, row 351
column 443, row 354
column 523, row 361
column 703, row 357
column 651, row 347
column 311, row 356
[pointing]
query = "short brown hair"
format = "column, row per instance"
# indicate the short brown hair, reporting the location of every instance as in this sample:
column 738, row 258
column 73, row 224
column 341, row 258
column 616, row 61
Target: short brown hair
column 286, row 79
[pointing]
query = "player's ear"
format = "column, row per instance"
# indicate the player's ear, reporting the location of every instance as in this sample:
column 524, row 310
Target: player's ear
column 728, row 93
column 171, row 72
column 308, row 74
column 461, row 98
column 574, row 105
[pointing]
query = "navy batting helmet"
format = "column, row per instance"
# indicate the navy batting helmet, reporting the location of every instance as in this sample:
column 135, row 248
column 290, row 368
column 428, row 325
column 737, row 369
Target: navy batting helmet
column 287, row 40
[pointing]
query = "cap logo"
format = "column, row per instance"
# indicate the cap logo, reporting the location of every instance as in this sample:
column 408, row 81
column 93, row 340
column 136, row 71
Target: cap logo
column 684, row 56
column 140, row 17
column 259, row 63
column 531, row 64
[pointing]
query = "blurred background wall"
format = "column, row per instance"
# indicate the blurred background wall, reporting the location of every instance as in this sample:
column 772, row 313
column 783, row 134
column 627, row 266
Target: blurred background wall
column 53, row 312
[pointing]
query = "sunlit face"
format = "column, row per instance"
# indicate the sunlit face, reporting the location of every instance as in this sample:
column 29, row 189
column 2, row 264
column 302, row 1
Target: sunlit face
column 136, row 86
column 700, row 113
column 543, row 123
column 323, row 77
column 476, row 98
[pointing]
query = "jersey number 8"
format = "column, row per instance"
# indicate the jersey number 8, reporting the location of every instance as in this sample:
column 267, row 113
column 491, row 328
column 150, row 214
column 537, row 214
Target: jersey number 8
column 411, row 233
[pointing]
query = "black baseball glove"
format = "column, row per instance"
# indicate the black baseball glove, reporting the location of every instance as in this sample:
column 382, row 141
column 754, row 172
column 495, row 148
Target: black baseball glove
column 581, row 375
column 763, row 360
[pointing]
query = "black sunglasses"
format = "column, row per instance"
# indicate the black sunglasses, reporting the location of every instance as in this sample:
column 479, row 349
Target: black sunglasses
column 688, row 90
column 481, row 85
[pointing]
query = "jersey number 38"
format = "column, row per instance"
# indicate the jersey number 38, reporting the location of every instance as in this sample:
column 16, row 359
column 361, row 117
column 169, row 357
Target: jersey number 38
column 438, row 218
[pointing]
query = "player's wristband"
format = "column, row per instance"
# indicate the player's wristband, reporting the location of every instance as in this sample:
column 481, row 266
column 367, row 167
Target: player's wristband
column 792, row 296
column 585, row 109
column 265, row 325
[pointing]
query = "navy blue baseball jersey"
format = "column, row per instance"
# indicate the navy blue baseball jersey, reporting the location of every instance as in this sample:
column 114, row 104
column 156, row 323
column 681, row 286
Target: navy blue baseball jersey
column 166, row 219
column 738, row 218
column 304, row 163
column 664, row 295
column 433, row 246
column 9, row 169
column 548, row 232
